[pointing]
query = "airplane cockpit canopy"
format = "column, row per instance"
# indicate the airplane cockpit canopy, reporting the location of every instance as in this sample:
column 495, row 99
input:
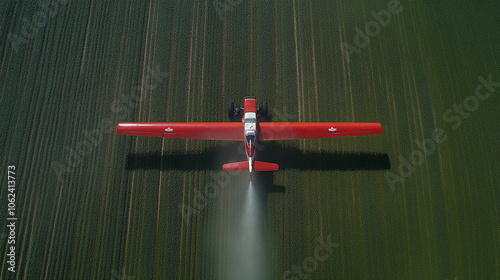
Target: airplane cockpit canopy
column 250, row 140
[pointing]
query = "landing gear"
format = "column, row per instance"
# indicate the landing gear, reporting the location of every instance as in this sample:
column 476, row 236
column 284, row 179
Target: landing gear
column 264, row 109
column 262, row 113
column 230, row 110
column 235, row 114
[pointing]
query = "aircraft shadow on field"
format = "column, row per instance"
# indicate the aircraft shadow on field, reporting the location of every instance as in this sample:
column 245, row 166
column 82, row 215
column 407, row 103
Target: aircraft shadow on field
column 285, row 157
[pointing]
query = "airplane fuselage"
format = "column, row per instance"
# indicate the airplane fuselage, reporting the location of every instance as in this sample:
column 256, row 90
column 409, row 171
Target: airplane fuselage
column 250, row 130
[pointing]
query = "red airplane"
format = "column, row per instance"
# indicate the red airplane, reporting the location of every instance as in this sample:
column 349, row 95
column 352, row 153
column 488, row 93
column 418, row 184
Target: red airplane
column 247, row 127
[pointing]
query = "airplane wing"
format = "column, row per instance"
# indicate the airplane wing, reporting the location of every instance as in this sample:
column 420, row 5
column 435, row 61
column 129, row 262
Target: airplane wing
column 210, row 131
column 285, row 131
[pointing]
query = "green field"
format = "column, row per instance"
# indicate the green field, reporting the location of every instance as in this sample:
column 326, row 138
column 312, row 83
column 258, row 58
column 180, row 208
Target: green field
column 94, row 205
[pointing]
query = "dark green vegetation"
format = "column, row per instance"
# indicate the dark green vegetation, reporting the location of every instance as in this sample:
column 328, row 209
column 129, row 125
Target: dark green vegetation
column 114, row 211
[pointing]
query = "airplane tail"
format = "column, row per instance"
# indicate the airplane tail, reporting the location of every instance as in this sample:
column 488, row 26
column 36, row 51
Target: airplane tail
column 265, row 166
column 246, row 166
column 236, row 166
column 257, row 166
